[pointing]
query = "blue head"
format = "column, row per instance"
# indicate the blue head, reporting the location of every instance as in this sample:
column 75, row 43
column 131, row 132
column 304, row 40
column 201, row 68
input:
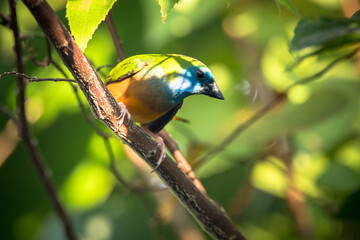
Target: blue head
column 195, row 79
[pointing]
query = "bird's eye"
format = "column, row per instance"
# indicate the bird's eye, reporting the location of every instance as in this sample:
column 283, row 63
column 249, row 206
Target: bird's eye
column 200, row 74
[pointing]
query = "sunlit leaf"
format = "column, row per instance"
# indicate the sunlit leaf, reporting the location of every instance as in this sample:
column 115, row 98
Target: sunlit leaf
column 85, row 16
column 289, row 5
column 326, row 32
column 166, row 6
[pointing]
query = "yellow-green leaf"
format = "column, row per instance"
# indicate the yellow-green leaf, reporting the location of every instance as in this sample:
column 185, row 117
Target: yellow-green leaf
column 166, row 6
column 85, row 16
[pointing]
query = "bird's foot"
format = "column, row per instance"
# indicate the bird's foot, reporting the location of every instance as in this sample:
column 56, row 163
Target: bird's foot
column 124, row 113
column 160, row 143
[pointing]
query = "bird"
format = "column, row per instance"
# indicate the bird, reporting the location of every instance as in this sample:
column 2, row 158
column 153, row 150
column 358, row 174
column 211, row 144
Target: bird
column 151, row 88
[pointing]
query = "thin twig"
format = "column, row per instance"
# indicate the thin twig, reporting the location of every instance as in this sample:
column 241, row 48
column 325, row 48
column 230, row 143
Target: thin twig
column 324, row 70
column 98, row 69
column 36, row 79
column 181, row 160
column 47, row 59
column 238, row 130
column 264, row 110
column 104, row 66
column 299, row 60
column 113, row 168
column 115, row 37
column 29, row 141
column 88, row 118
column 5, row 20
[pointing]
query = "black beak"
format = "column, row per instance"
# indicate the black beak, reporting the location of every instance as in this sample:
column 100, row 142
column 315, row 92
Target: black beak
column 212, row 90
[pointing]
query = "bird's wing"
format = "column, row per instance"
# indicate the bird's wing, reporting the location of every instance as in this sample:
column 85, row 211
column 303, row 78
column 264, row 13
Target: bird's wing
column 125, row 69
column 158, row 124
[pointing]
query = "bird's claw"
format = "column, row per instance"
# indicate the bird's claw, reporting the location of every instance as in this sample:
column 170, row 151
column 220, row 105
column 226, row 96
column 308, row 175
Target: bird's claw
column 160, row 143
column 162, row 154
column 124, row 113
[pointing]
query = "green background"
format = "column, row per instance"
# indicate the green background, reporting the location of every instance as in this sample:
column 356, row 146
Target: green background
column 246, row 45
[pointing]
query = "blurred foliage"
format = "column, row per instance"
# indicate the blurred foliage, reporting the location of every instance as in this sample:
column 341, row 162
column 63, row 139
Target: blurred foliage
column 289, row 4
column 310, row 141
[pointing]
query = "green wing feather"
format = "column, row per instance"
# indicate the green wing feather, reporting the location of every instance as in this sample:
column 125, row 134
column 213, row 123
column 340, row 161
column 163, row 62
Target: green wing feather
column 170, row 63
column 125, row 69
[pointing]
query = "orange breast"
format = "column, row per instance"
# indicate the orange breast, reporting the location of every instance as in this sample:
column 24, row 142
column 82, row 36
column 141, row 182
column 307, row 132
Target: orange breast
column 140, row 104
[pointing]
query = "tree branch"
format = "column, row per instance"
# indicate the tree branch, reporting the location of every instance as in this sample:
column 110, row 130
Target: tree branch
column 211, row 217
column 115, row 37
column 29, row 141
column 180, row 159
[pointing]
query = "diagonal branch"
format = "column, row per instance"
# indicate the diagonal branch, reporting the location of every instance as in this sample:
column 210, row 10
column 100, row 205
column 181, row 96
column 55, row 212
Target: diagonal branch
column 183, row 164
column 211, row 217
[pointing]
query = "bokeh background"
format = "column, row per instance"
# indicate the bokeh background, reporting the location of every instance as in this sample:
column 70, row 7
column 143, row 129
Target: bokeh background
column 294, row 174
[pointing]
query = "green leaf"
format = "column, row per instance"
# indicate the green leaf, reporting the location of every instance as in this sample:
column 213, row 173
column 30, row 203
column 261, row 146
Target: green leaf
column 85, row 16
column 339, row 178
column 166, row 6
column 289, row 5
column 326, row 32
